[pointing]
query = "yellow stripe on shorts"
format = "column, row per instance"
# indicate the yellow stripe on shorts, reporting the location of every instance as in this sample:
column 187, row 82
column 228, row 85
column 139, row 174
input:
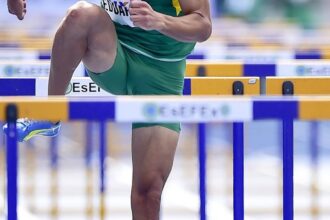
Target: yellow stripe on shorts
column 177, row 6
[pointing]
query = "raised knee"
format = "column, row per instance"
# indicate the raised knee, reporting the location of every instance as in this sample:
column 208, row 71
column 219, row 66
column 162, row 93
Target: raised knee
column 81, row 12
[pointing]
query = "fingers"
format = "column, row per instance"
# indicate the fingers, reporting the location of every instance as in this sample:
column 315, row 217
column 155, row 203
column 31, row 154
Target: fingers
column 138, row 4
column 137, row 18
column 20, row 15
column 138, row 7
column 138, row 11
column 24, row 10
column 18, row 8
column 142, row 15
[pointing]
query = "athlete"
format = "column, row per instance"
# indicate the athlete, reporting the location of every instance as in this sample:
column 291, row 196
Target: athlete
column 17, row 7
column 130, row 48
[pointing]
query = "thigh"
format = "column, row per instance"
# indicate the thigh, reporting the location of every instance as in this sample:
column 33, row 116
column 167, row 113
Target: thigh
column 153, row 150
column 113, row 80
column 147, row 76
column 101, row 37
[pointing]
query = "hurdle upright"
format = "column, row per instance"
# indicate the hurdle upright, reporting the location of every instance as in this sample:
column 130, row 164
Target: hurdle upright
column 225, row 86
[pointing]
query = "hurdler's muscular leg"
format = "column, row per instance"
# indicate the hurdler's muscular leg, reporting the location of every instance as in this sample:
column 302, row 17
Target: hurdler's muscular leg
column 86, row 33
column 153, row 150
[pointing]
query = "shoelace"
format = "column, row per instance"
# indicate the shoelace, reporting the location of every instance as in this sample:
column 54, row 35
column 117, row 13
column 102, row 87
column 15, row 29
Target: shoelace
column 25, row 121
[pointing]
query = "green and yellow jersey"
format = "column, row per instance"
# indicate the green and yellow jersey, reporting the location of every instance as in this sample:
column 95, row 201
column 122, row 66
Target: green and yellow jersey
column 148, row 43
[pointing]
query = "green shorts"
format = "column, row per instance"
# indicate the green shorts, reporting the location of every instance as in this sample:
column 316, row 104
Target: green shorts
column 135, row 74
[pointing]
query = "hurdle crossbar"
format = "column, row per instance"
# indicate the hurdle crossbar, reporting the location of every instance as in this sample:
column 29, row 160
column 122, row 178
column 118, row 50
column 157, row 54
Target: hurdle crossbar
column 84, row 86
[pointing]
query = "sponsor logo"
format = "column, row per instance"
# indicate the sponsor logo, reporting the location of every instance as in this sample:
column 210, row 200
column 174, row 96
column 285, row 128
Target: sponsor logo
column 78, row 87
column 300, row 70
column 9, row 71
column 250, row 57
column 69, row 89
column 317, row 70
column 120, row 8
column 152, row 111
column 29, row 71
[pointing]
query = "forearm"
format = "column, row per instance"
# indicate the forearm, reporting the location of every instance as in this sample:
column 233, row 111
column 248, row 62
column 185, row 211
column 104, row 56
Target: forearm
column 193, row 27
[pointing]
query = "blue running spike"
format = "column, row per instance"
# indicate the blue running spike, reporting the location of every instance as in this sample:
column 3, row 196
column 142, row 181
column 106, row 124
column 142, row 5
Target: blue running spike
column 27, row 129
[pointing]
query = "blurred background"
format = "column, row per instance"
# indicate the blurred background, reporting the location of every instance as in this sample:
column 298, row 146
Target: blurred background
column 306, row 13
column 43, row 17
column 59, row 178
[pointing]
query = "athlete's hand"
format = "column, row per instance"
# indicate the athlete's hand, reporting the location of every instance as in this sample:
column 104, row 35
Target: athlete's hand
column 17, row 7
column 143, row 16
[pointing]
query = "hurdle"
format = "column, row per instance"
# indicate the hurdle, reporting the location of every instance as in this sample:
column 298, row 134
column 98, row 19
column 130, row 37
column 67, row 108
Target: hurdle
column 192, row 86
column 207, row 85
column 231, row 86
column 120, row 109
column 304, row 86
column 307, row 80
